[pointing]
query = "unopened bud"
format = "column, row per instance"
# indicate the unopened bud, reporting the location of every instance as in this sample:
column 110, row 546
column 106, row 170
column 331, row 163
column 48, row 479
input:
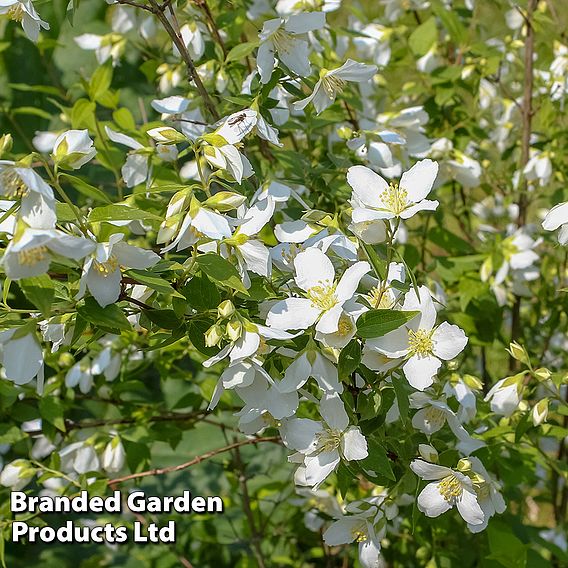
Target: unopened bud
column 5, row 143
column 226, row 309
column 166, row 135
column 542, row 374
column 486, row 269
column 464, row 465
column 234, row 330
column 428, row 453
column 518, row 352
column 213, row 335
column 225, row 201
column 540, row 412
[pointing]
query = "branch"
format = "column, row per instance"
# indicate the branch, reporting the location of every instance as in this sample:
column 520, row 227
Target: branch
column 526, row 115
column 196, row 460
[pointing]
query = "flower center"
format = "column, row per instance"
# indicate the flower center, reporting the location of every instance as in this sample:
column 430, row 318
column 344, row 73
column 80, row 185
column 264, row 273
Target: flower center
column 420, row 342
column 395, row 198
column 450, row 488
column 12, row 183
column 344, row 326
column 107, row 267
column 292, row 252
column 435, row 415
column 31, row 256
column 270, row 420
column 329, row 440
column 323, row 296
column 282, row 40
column 359, row 534
column 16, row 12
column 380, row 299
column 332, row 85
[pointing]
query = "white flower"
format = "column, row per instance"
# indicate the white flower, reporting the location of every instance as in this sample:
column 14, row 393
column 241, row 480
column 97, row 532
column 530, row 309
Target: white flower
column 488, row 495
column 23, row 11
column 37, row 200
column 284, row 37
column 423, row 344
column 366, row 528
column 21, row 356
column 331, row 83
column 373, row 198
column 80, row 375
column 324, row 299
column 31, row 253
column 324, row 444
column 539, row 167
column 73, row 149
column 311, row 363
column 558, row 217
column 101, row 271
column 505, row 395
column 114, row 455
column 451, row 488
column 346, row 326
column 79, row 457
column 105, row 46
column 16, row 475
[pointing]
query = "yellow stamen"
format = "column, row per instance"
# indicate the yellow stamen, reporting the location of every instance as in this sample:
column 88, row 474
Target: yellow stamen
column 16, row 12
column 380, row 299
column 332, row 85
column 329, row 440
column 450, row 488
column 420, row 342
column 12, row 184
column 323, row 296
column 31, row 256
column 395, row 198
column 107, row 267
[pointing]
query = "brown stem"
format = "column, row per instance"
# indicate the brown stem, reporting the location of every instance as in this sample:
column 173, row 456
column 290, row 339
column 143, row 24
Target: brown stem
column 196, row 460
column 255, row 534
column 526, row 116
column 202, row 4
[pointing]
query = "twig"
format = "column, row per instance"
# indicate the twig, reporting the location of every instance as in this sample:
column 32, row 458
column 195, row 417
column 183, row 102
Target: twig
column 196, row 460
column 526, row 114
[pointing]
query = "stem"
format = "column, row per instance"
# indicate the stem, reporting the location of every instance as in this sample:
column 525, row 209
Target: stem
column 526, row 115
column 196, row 460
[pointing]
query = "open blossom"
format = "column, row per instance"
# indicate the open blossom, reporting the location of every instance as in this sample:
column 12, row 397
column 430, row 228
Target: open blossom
column 23, row 11
column 420, row 342
column 324, row 444
column 37, row 206
column 331, row 83
column 284, row 37
column 105, row 46
column 31, row 253
column 373, row 198
column 101, row 271
column 324, row 298
column 449, row 488
column 558, row 217
column 21, row 356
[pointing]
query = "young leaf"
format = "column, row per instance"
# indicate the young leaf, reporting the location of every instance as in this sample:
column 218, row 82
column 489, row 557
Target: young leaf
column 376, row 323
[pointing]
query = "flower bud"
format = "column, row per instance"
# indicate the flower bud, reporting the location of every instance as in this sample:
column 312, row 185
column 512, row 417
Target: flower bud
column 428, row 453
column 486, row 269
column 114, row 456
column 5, row 143
column 213, row 335
column 166, row 135
column 518, row 352
column 234, row 330
column 540, row 412
column 73, row 148
column 542, row 374
column 226, row 309
column 17, row 474
column 464, row 465
column 225, row 201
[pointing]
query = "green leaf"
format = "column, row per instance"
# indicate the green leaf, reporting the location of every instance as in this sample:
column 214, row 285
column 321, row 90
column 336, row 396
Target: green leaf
column 379, row 266
column 505, row 547
column 110, row 317
column 166, row 319
column 51, row 409
column 33, row 111
column 85, row 188
column 120, row 213
column 349, row 358
column 153, row 281
column 40, row 291
column 10, row 434
column 83, row 114
column 124, row 119
column 241, row 51
column 201, row 293
column 377, row 461
column 451, row 243
column 376, row 323
column 423, row 37
column 399, row 384
column 217, row 268
column 100, row 81
column 451, row 22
